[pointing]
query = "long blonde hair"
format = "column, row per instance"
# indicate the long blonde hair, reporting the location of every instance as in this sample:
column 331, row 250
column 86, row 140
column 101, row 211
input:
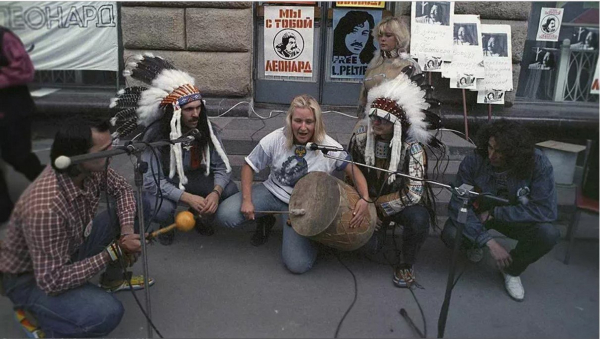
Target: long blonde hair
column 398, row 28
column 305, row 101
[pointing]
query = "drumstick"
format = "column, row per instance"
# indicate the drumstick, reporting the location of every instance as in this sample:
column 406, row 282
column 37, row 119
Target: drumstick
column 161, row 231
column 184, row 221
column 292, row 211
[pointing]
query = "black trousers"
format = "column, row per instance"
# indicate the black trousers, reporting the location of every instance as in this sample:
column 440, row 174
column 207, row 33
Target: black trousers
column 416, row 223
column 534, row 240
column 15, row 146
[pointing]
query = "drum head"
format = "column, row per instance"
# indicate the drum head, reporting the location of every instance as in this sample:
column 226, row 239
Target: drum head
column 318, row 194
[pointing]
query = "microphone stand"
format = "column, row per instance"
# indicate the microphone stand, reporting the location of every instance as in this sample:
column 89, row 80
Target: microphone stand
column 464, row 193
column 140, row 167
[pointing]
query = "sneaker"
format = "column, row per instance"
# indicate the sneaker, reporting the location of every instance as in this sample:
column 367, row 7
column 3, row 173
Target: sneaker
column 166, row 239
column 263, row 230
column 514, row 287
column 204, row 228
column 404, row 276
column 137, row 283
column 28, row 324
column 475, row 254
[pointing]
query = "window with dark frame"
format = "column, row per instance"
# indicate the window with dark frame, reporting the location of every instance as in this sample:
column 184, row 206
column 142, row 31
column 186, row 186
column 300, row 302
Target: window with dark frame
column 561, row 71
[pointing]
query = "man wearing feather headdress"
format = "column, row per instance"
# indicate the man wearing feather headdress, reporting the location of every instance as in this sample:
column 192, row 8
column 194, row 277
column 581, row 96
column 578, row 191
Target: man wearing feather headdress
column 394, row 138
column 197, row 175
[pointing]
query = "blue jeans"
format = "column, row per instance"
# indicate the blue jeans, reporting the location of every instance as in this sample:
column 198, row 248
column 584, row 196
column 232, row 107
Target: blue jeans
column 299, row 253
column 84, row 311
column 166, row 214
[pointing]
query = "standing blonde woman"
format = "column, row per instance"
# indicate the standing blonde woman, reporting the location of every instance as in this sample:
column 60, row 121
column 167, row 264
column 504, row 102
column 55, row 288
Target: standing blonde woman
column 394, row 38
column 284, row 152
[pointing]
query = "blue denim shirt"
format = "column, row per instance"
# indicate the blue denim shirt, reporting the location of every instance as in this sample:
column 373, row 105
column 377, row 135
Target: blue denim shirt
column 532, row 200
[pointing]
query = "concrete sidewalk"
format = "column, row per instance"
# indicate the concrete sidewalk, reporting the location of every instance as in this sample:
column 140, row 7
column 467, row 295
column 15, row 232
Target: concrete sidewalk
column 221, row 286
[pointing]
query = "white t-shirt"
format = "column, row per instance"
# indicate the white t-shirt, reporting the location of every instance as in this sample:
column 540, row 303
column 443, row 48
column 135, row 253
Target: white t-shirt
column 289, row 165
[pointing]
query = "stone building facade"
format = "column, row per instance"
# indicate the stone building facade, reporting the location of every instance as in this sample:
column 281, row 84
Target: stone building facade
column 211, row 40
column 217, row 43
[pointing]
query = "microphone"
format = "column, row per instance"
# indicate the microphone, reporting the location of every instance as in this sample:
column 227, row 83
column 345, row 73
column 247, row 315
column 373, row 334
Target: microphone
column 315, row 147
column 193, row 133
column 62, row 162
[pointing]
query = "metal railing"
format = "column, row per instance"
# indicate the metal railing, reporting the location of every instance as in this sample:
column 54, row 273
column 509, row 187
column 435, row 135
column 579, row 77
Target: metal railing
column 575, row 73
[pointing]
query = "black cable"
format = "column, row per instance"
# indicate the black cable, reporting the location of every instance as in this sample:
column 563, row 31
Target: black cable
column 120, row 258
column 397, row 251
column 339, row 326
column 424, row 333
column 159, row 197
column 262, row 120
column 128, row 279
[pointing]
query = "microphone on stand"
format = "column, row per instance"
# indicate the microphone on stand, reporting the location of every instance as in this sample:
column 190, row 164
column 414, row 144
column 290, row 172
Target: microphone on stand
column 62, row 162
column 315, row 147
column 194, row 133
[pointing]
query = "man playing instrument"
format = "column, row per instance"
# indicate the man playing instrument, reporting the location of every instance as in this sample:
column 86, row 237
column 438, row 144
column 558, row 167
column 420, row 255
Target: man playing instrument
column 393, row 139
column 507, row 165
column 55, row 244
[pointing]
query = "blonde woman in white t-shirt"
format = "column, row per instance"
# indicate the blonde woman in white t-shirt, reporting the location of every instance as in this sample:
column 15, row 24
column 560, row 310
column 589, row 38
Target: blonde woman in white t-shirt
column 284, row 152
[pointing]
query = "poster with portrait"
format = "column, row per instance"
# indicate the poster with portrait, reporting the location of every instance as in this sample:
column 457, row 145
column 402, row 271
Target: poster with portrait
column 431, row 33
column 288, row 41
column 353, row 44
column 497, row 60
column 467, row 58
column 584, row 38
column 549, row 25
column 491, row 97
column 545, row 58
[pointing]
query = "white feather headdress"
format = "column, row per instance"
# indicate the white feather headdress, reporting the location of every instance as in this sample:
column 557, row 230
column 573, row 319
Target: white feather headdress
column 143, row 105
column 403, row 102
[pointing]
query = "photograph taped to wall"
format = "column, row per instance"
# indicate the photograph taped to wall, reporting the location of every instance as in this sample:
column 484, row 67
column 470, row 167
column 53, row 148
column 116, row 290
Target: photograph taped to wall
column 431, row 63
column 467, row 54
column 494, row 45
column 497, row 58
column 545, row 59
column 288, row 41
column 433, row 13
column 465, row 34
column 464, row 81
column 492, row 97
column 353, row 44
column 433, row 36
column 584, row 38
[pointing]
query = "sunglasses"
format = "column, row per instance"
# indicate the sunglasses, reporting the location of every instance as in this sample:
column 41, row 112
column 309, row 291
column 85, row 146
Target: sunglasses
column 374, row 118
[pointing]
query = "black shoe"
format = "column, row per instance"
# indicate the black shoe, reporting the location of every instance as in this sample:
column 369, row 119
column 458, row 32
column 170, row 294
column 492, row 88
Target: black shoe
column 263, row 230
column 166, row 239
column 204, row 228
